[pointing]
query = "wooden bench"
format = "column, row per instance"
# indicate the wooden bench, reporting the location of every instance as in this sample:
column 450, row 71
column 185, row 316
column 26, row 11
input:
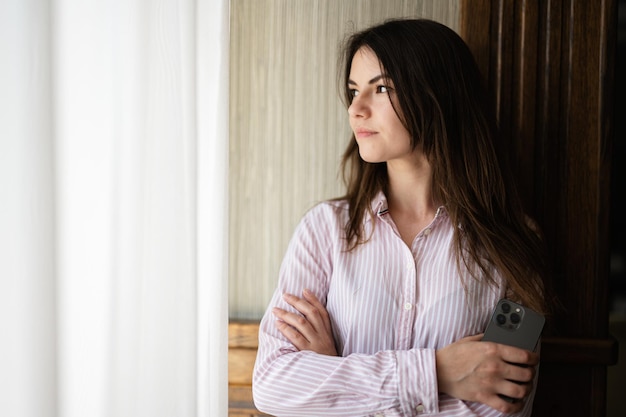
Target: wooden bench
column 242, row 346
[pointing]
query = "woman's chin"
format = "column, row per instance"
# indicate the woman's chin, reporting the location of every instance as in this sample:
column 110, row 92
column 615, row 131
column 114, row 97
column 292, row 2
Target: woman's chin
column 372, row 159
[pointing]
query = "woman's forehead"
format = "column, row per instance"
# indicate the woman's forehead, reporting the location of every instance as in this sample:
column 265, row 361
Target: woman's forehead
column 364, row 63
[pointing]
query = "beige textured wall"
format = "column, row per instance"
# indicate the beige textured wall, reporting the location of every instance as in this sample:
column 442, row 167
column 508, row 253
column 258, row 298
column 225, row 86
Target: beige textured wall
column 288, row 127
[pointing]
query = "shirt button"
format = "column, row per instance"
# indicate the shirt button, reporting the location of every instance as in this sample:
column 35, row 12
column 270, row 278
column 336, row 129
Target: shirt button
column 420, row 408
column 408, row 306
column 426, row 231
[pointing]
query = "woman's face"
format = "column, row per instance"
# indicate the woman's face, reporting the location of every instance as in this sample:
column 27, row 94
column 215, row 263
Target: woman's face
column 380, row 134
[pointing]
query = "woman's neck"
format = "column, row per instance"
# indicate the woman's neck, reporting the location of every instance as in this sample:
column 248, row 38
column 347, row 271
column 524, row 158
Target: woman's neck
column 410, row 188
column 410, row 199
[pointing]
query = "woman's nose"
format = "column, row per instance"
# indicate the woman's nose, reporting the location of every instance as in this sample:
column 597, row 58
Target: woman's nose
column 358, row 107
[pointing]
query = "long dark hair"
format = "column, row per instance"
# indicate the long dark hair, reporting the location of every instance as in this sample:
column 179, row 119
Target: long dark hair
column 443, row 104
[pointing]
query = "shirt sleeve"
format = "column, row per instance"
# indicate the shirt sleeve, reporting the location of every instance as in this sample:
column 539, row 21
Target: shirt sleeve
column 287, row 382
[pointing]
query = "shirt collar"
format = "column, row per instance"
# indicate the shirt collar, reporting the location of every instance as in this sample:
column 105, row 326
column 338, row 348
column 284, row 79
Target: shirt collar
column 380, row 206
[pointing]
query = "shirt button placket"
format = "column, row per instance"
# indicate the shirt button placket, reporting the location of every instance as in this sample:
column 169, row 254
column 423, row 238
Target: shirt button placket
column 406, row 317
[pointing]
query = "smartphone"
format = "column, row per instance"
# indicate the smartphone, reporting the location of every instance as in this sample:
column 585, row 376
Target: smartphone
column 514, row 325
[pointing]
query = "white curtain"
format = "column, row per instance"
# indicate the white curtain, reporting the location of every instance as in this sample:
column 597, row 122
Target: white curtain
column 114, row 197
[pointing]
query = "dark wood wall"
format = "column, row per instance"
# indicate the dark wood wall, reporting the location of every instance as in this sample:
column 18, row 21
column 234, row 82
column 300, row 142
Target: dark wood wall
column 550, row 70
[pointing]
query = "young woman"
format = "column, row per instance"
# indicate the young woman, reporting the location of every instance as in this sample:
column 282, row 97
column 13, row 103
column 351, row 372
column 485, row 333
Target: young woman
column 383, row 294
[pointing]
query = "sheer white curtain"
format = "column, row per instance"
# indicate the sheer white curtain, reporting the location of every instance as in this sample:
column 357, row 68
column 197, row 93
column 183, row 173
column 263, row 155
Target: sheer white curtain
column 114, row 197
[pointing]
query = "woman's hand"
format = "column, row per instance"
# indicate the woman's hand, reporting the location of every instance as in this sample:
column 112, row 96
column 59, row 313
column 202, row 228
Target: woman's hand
column 309, row 331
column 486, row 372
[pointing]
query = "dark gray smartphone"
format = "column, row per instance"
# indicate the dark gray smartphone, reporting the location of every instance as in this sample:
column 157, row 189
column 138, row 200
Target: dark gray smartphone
column 514, row 325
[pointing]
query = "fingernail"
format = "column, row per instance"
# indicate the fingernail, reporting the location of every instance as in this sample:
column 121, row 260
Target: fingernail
column 306, row 291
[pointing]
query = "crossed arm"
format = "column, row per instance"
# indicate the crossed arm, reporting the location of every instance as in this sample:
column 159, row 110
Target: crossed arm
column 467, row 369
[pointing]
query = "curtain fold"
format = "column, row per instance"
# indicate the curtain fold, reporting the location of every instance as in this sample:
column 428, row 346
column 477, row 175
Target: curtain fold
column 213, row 40
column 27, row 212
column 114, row 194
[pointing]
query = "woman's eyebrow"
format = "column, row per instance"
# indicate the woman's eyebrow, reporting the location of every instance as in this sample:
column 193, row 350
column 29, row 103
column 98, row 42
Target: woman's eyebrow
column 372, row 81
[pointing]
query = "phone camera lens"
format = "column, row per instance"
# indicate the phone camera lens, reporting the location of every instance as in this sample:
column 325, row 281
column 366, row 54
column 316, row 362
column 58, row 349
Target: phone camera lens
column 501, row 319
column 515, row 318
column 506, row 307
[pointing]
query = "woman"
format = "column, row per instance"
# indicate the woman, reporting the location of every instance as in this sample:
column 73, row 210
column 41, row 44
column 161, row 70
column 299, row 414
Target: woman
column 398, row 278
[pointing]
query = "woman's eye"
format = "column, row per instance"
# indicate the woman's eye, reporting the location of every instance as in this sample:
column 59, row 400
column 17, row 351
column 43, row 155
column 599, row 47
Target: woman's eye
column 383, row 89
column 353, row 92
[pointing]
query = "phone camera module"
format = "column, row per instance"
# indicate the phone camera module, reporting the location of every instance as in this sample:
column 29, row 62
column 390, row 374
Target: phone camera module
column 508, row 317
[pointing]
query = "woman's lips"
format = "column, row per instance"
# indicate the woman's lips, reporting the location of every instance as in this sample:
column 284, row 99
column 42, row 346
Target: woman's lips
column 364, row 133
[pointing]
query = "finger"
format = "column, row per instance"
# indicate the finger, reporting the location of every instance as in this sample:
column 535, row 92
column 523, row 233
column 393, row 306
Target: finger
column 296, row 321
column 513, row 391
column 321, row 308
column 312, row 313
column 311, row 298
column 474, row 338
column 511, row 354
column 504, row 404
column 521, row 374
column 296, row 302
column 294, row 336
column 518, row 356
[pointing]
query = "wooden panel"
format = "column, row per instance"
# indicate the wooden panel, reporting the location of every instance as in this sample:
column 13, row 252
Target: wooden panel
column 576, row 351
column 474, row 23
column 583, row 230
column 243, row 334
column 240, row 402
column 240, row 364
column 549, row 65
column 242, row 345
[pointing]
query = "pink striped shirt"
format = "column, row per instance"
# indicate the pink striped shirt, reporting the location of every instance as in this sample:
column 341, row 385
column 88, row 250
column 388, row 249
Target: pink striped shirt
column 391, row 307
